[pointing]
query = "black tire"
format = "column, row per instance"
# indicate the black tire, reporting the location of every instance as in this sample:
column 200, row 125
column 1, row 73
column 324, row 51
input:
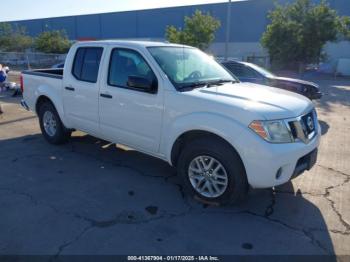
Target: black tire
column 61, row 134
column 237, row 186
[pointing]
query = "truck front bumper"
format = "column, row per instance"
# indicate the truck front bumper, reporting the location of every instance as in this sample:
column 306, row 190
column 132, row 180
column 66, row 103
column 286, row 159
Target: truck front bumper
column 268, row 165
column 305, row 163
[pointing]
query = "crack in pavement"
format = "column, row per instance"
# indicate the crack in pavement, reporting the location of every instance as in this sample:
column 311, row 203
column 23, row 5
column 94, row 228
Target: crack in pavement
column 270, row 208
column 334, row 170
column 103, row 224
column 308, row 231
column 332, row 203
column 299, row 192
column 14, row 192
column 315, row 241
column 326, row 195
column 120, row 218
column 304, row 232
column 70, row 242
column 335, row 231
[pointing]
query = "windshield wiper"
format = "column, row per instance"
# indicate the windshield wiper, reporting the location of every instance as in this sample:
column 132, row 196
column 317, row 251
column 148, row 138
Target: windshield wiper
column 219, row 82
column 192, row 85
column 206, row 83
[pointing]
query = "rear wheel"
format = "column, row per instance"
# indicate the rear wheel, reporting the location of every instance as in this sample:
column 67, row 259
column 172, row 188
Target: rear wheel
column 51, row 125
column 212, row 171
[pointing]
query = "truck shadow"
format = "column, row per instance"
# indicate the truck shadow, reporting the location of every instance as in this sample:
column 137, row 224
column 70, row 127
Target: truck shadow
column 109, row 185
column 324, row 127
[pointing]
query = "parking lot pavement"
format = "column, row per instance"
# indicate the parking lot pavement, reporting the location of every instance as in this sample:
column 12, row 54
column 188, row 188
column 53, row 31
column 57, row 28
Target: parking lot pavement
column 92, row 197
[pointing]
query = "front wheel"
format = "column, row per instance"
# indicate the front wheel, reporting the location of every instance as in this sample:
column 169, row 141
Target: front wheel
column 212, row 171
column 51, row 125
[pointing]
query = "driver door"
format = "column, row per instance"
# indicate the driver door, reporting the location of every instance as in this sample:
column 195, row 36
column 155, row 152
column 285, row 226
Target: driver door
column 128, row 115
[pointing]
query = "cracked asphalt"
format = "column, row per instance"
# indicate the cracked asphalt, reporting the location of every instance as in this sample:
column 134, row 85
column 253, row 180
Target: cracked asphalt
column 93, row 197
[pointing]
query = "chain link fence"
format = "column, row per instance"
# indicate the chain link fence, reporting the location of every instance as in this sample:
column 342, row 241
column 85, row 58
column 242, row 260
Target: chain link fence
column 29, row 60
column 24, row 61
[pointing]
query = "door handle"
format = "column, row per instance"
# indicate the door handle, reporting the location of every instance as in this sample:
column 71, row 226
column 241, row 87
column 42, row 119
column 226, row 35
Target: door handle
column 69, row 88
column 106, row 96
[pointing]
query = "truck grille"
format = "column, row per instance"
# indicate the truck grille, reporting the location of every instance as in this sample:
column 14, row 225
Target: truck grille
column 304, row 128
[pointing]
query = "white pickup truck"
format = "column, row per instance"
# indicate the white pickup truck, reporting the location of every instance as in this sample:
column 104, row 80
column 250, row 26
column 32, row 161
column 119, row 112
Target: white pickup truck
column 176, row 103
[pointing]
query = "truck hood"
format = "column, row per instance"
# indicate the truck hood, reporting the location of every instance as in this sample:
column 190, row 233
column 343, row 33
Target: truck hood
column 261, row 101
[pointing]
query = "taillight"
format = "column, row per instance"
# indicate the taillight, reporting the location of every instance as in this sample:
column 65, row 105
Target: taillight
column 21, row 83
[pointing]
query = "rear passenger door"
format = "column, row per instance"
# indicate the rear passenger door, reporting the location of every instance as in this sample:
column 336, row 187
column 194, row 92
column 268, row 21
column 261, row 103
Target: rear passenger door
column 81, row 89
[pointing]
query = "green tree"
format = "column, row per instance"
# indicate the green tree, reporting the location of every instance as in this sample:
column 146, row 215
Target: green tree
column 53, row 42
column 344, row 24
column 199, row 31
column 13, row 38
column 299, row 31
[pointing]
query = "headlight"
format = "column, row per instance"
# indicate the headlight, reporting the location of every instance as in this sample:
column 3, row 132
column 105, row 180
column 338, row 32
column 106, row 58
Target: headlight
column 274, row 131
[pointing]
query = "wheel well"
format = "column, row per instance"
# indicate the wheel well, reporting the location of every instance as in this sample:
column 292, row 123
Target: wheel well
column 185, row 138
column 41, row 100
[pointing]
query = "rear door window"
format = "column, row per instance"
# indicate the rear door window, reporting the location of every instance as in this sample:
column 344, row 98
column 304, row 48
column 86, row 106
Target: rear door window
column 87, row 63
column 78, row 62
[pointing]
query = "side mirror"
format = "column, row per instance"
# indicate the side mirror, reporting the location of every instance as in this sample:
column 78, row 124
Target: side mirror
column 141, row 83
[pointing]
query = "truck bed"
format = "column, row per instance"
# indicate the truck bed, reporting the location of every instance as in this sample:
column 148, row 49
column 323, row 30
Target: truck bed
column 43, row 81
column 53, row 73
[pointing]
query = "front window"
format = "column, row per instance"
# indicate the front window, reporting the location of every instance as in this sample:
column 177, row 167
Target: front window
column 186, row 66
column 125, row 63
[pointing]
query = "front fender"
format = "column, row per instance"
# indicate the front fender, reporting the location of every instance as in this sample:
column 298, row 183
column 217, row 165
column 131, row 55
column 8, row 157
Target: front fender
column 222, row 126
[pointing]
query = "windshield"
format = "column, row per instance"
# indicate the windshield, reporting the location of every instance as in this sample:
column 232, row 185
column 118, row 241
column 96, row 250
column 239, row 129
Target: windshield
column 261, row 70
column 186, row 66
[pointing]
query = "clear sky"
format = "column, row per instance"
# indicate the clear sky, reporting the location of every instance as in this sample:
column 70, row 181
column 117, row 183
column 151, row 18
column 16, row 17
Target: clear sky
column 30, row 9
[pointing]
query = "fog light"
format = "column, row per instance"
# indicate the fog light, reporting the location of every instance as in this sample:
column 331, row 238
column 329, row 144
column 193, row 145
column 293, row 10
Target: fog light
column 279, row 173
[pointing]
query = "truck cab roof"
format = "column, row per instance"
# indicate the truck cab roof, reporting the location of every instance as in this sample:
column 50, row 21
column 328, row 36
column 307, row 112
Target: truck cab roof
column 129, row 43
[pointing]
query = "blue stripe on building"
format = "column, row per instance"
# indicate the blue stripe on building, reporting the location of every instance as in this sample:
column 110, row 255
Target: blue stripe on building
column 248, row 21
